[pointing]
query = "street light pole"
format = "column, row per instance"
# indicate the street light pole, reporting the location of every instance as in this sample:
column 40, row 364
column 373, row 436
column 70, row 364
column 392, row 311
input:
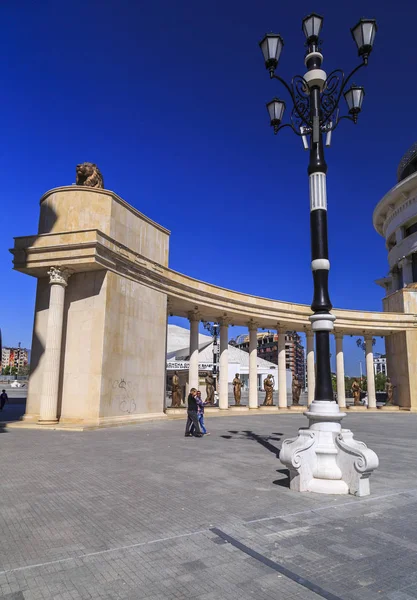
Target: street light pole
column 213, row 329
column 320, row 458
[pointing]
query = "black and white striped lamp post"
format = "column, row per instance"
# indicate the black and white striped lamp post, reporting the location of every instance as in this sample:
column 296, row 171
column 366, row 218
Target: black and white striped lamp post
column 316, row 459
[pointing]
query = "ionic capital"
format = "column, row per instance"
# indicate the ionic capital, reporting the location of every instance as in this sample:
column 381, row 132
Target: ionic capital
column 59, row 276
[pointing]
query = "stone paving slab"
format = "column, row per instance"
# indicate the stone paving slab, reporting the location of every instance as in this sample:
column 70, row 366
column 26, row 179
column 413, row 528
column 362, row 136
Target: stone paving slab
column 129, row 512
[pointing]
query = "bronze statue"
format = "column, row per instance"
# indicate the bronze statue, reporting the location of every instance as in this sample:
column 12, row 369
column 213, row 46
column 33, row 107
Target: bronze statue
column 237, row 388
column 176, row 391
column 296, row 391
column 356, row 391
column 389, row 388
column 209, row 389
column 269, row 389
column 88, row 174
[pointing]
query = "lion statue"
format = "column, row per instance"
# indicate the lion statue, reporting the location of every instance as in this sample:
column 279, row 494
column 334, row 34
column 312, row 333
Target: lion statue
column 88, row 174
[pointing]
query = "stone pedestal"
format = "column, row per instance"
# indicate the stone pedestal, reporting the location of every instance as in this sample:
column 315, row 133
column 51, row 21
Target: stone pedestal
column 99, row 344
column 361, row 408
column 237, row 407
column 297, row 408
column 272, row 408
column 389, row 408
column 325, row 458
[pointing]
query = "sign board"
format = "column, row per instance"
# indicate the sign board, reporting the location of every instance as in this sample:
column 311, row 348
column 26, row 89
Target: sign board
column 182, row 365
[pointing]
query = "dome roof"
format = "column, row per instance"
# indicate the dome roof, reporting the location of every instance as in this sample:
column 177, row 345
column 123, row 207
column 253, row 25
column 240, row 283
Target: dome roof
column 408, row 163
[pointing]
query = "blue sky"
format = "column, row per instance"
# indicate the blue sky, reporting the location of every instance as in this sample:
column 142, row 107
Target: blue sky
column 168, row 98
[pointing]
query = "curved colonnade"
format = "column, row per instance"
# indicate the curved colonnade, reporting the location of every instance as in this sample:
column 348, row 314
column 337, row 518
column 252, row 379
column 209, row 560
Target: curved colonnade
column 114, row 266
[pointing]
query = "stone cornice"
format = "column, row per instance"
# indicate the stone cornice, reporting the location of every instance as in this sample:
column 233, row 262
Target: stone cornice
column 91, row 249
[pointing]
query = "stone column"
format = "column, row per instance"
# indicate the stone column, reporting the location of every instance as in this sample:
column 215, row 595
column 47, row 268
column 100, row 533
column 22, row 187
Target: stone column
column 194, row 318
column 407, row 267
column 224, row 364
column 370, row 377
column 253, row 364
column 282, row 371
column 58, row 279
column 395, row 280
column 311, row 372
column 340, row 371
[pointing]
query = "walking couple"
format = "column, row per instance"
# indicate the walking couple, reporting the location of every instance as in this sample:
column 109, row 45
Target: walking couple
column 195, row 415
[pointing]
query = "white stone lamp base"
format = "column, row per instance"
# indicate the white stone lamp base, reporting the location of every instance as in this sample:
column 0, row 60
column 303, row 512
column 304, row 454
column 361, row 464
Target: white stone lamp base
column 324, row 458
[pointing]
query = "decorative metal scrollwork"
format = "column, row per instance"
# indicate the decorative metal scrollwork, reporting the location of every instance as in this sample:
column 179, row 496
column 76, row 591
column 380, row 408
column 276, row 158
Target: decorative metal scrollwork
column 300, row 115
column 300, row 119
column 330, row 97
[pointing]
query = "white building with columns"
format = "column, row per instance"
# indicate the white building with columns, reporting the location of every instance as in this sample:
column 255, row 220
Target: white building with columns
column 395, row 218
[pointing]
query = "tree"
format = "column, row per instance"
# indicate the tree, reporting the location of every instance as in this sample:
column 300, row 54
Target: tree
column 25, row 370
column 13, row 371
column 380, row 381
column 361, row 344
column 6, row 370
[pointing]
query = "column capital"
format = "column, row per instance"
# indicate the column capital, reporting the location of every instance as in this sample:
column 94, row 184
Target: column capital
column 224, row 320
column 339, row 335
column 310, row 333
column 252, row 325
column 59, row 275
column 194, row 315
column 368, row 337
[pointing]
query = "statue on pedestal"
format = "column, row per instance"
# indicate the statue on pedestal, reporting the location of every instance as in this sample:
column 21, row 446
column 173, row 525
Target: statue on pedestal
column 389, row 388
column 209, row 389
column 237, row 389
column 356, row 391
column 269, row 389
column 296, row 391
column 176, row 391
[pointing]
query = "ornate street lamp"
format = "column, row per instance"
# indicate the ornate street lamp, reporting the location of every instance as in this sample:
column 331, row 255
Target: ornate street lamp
column 213, row 329
column 322, row 458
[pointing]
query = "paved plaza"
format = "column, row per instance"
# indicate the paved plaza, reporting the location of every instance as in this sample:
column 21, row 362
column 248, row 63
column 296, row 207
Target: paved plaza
column 140, row 512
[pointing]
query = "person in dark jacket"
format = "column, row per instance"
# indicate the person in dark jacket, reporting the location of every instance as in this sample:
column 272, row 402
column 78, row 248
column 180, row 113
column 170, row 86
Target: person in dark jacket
column 193, row 427
column 3, row 399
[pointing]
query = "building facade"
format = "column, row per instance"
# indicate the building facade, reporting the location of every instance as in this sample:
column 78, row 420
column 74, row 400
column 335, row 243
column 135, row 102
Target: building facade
column 14, row 358
column 380, row 364
column 268, row 350
column 395, row 218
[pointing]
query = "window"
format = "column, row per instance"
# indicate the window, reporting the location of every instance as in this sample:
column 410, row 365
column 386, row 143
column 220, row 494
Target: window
column 411, row 229
column 414, row 266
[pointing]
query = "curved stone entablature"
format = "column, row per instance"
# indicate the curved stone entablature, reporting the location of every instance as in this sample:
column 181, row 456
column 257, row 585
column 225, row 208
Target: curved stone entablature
column 99, row 339
column 72, row 238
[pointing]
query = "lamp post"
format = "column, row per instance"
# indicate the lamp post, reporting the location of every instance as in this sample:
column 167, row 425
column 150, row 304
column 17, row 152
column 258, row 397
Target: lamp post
column 320, row 458
column 213, row 329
